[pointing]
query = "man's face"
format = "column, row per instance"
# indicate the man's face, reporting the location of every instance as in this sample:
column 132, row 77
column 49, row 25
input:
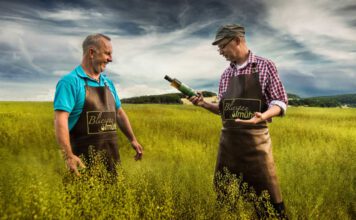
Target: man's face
column 102, row 56
column 228, row 49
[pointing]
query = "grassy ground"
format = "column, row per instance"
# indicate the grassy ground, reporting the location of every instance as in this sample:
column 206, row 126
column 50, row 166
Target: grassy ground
column 314, row 151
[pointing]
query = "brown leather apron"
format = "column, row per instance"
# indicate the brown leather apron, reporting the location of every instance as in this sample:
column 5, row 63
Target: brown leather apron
column 246, row 149
column 96, row 126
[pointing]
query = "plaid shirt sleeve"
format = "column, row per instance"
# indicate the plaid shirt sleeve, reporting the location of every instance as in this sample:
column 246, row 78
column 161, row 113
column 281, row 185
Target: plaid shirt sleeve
column 224, row 80
column 274, row 91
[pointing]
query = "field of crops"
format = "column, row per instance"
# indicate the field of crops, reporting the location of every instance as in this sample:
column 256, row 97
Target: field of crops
column 314, row 151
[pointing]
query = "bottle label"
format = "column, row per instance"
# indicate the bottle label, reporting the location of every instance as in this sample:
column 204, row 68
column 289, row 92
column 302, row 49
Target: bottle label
column 186, row 90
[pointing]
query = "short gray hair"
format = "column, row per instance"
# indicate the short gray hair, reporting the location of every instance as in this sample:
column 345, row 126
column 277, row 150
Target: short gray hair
column 93, row 40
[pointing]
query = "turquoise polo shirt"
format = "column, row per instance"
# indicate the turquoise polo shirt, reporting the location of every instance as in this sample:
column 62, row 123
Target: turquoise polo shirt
column 70, row 93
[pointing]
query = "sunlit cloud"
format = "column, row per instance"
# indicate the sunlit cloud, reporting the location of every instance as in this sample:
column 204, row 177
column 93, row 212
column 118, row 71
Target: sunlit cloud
column 70, row 14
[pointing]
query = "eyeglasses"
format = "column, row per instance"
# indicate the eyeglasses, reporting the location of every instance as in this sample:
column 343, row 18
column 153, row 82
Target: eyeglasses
column 222, row 46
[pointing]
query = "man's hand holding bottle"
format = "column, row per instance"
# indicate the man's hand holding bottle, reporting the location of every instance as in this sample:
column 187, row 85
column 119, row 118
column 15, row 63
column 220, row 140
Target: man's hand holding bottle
column 197, row 100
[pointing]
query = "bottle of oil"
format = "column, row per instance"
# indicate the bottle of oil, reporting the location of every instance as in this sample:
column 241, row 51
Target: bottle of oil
column 186, row 90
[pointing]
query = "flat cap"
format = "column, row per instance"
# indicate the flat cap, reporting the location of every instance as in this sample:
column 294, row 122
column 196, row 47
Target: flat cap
column 229, row 31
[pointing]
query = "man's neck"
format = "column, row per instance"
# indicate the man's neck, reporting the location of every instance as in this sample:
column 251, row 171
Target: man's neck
column 243, row 57
column 90, row 72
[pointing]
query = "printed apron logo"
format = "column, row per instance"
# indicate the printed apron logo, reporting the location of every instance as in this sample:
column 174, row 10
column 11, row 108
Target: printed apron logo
column 240, row 108
column 99, row 122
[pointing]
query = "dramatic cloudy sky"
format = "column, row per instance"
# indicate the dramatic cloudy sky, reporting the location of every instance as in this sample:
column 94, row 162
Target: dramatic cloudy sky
column 313, row 43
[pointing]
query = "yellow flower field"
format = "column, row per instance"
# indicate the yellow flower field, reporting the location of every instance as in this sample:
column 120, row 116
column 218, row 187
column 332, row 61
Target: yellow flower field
column 314, row 151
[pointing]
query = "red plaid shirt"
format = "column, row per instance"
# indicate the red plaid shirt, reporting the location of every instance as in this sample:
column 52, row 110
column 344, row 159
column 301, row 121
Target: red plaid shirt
column 272, row 87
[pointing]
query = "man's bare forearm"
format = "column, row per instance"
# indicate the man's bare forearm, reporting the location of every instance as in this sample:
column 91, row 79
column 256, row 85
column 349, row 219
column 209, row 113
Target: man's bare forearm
column 124, row 125
column 62, row 133
column 214, row 108
column 274, row 110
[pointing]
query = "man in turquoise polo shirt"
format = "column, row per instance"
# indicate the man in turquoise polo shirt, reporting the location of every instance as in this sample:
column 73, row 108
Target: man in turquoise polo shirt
column 88, row 109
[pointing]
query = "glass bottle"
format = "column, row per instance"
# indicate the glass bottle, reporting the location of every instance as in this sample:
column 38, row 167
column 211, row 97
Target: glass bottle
column 186, row 90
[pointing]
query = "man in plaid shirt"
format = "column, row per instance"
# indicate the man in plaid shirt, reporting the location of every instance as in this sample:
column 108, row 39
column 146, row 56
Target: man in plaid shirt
column 250, row 94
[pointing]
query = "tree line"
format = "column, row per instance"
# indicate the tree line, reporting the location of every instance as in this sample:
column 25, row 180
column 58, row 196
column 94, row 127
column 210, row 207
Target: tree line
column 170, row 98
column 348, row 100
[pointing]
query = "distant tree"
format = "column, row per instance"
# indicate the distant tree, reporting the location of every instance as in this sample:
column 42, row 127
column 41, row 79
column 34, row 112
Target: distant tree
column 292, row 96
column 208, row 94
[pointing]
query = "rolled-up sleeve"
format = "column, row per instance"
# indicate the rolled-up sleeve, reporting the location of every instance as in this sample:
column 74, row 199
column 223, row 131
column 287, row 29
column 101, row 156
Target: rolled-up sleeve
column 275, row 89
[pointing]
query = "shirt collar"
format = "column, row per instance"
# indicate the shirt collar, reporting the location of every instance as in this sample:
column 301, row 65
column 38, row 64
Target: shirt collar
column 251, row 59
column 82, row 74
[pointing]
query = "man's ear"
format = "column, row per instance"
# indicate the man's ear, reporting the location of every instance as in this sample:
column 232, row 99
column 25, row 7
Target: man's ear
column 237, row 40
column 91, row 52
